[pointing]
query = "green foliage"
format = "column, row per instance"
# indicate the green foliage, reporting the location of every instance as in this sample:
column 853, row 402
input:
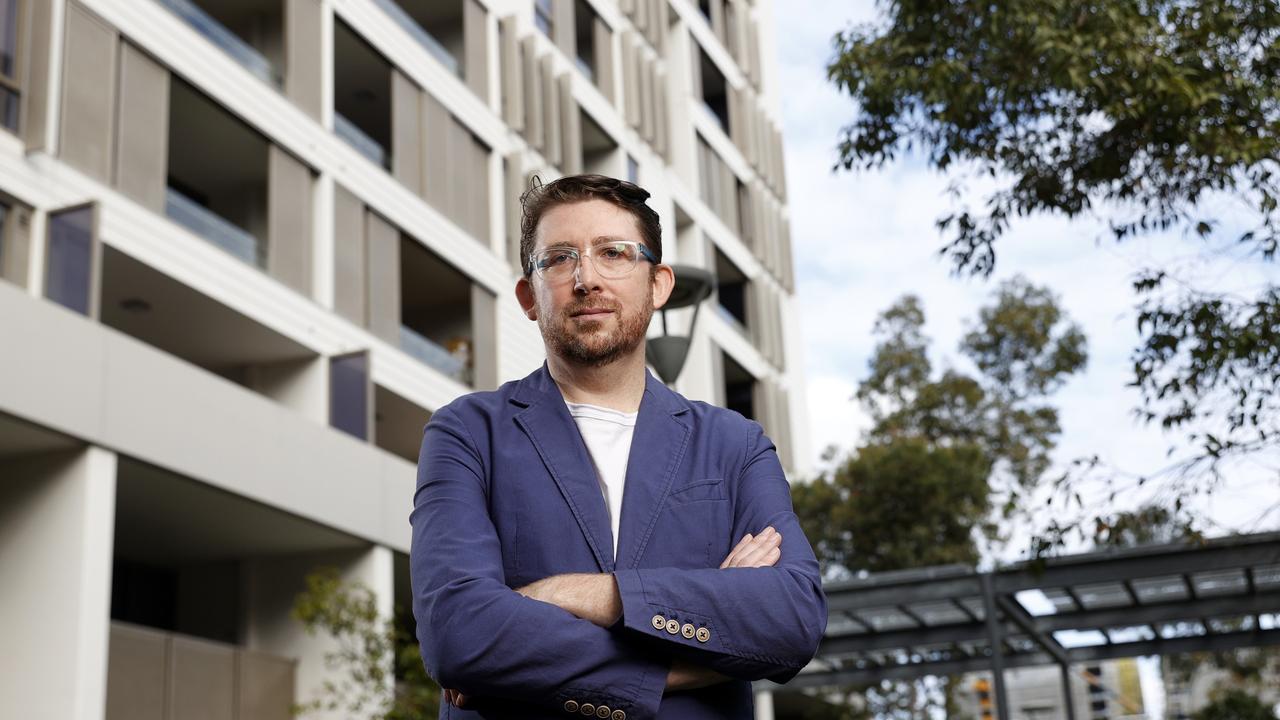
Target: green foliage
column 1140, row 111
column 1147, row 525
column 1235, row 705
column 919, row 491
column 382, row 676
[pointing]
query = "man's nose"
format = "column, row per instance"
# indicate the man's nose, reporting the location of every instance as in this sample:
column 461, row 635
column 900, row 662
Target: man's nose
column 584, row 279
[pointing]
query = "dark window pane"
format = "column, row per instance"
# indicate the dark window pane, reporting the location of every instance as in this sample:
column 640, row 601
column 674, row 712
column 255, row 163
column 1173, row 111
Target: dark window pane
column 349, row 394
column 70, row 258
column 542, row 16
column 9, row 109
column 633, row 170
column 8, row 37
column 4, row 226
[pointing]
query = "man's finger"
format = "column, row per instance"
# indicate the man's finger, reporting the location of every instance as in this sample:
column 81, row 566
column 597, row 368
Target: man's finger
column 748, row 554
column 728, row 560
column 756, row 554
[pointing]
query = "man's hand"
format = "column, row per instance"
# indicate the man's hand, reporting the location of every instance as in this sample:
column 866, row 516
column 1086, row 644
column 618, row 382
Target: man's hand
column 455, row 698
column 761, row 550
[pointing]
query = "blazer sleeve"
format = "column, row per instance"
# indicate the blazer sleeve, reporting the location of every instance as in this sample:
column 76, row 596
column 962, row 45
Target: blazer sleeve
column 751, row 623
column 481, row 637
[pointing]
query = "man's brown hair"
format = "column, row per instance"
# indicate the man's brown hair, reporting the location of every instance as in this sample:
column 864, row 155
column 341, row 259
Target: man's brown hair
column 539, row 198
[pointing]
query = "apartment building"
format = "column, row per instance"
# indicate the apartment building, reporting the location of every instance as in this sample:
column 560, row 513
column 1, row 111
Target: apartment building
column 248, row 246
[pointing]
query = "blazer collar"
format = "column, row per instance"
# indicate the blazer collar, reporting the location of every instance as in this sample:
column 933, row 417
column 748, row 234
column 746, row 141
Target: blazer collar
column 658, row 448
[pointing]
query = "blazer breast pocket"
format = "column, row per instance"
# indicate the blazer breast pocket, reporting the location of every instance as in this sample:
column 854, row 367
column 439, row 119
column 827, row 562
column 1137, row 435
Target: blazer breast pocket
column 695, row 525
column 698, row 491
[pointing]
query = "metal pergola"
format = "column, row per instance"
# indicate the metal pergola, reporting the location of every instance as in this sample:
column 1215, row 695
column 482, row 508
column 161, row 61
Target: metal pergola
column 1154, row 600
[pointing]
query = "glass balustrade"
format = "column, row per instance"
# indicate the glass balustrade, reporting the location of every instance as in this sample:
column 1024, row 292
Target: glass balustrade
column 217, row 230
column 219, row 35
column 358, row 139
column 424, row 38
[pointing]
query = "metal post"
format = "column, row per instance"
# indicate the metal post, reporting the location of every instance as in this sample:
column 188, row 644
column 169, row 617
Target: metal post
column 1068, row 703
column 995, row 636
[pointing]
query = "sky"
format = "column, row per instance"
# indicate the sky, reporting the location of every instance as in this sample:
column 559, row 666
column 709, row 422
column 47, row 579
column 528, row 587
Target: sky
column 863, row 239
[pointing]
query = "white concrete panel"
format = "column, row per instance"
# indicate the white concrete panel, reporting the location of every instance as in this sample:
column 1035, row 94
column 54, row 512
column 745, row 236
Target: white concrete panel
column 57, row 517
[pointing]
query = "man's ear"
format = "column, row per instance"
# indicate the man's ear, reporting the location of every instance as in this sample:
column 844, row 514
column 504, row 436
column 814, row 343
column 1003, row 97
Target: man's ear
column 664, row 281
column 524, row 294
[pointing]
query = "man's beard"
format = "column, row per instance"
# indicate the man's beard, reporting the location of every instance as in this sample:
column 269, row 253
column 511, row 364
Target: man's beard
column 585, row 343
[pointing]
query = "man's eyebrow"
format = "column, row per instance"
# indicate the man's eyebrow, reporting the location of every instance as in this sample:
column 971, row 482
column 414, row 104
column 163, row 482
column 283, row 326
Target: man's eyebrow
column 595, row 241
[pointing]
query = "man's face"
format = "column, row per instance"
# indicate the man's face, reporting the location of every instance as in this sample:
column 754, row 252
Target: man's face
column 585, row 318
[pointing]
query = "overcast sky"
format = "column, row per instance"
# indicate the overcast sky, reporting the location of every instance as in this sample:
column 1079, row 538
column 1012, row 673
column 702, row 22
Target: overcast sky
column 864, row 239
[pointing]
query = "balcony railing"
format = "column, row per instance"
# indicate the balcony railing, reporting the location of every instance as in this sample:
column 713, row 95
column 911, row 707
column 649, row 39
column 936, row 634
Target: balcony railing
column 434, row 355
column 356, row 138
column 205, row 223
column 424, row 38
column 230, row 43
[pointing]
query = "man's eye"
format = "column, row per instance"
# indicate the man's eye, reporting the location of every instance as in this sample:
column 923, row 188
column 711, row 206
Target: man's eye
column 614, row 252
column 556, row 259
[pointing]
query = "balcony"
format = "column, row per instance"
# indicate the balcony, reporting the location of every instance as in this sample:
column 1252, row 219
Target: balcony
column 258, row 31
column 436, row 313
column 426, row 22
column 362, row 96
column 202, row 583
column 216, row 175
column 146, row 304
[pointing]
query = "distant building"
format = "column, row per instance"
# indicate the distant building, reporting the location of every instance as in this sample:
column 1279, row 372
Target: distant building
column 1109, row 690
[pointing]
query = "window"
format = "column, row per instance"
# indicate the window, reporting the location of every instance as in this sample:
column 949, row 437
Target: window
column 746, row 229
column 584, row 21
column 543, row 16
column 69, row 271
column 4, row 226
column 633, row 170
column 739, row 387
column 9, row 64
column 714, row 89
column 349, row 394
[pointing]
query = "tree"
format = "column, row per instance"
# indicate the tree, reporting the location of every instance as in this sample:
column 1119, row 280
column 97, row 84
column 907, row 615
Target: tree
column 946, row 456
column 1145, row 112
column 1235, row 705
column 382, row 676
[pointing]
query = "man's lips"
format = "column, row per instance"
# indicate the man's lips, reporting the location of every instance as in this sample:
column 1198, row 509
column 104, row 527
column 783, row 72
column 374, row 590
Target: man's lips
column 589, row 312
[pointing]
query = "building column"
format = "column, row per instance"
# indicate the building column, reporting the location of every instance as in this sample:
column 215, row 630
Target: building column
column 57, row 523
column 764, row 705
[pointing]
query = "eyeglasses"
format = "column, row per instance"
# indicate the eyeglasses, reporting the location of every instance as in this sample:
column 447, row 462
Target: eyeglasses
column 613, row 260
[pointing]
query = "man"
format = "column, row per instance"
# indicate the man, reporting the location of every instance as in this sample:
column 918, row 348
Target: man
column 572, row 531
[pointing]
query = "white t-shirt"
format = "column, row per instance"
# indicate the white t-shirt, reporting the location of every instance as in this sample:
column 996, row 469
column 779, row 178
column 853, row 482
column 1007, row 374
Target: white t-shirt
column 607, row 434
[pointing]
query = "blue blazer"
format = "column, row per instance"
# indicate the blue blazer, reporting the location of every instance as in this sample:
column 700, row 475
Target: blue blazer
column 507, row 494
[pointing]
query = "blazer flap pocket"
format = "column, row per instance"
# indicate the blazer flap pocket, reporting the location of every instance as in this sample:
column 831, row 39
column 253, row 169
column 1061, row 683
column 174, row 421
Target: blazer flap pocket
column 703, row 489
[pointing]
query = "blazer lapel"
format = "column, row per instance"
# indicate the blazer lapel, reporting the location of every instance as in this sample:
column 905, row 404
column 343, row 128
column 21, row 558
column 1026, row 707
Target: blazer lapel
column 657, row 451
column 556, row 438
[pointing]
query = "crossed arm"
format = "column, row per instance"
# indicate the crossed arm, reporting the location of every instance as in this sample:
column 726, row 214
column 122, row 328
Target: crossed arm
column 595, row 597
